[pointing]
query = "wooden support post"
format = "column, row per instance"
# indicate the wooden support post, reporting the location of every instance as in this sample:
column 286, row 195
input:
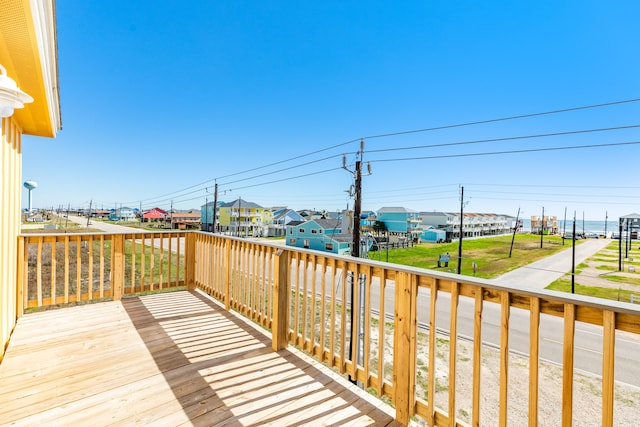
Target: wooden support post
column 281, row 292
column 405, row 296
column 117, row 269
column 190, row 260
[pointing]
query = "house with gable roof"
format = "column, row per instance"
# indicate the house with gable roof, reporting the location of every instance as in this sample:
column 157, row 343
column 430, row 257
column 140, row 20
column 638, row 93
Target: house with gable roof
column 400, row 221
column 327, row 235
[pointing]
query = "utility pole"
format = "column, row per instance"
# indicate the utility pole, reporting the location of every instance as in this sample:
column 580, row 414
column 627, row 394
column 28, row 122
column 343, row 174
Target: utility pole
column 355, row 250
column 606, row 219
column 171, row 216
column 573, row 255
column 357, row 201
column 206, row 213
column 461, row 226
column 542, row 227
column 515, row 228
column 141, row 214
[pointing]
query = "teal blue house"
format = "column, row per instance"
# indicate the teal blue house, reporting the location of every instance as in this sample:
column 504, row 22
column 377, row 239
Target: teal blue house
column 327, row 235
column 401, row 221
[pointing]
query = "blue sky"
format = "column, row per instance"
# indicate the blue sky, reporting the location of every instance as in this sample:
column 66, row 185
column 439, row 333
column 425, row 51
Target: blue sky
column 161, row 98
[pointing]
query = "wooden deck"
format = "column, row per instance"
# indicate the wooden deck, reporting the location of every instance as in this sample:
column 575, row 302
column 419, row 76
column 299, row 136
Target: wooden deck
column 167, row 359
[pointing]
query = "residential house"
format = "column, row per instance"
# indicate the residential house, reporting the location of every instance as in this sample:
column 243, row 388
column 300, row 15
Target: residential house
column 185, row 220
column 28, row 55
column 473, row 224
column 240, row 218
column 123, row 214
column 327, row 235
column 154, row 215
column 401, row 221
column 280, row 219
column 207, row 212
column 100, row 213
column 546, row 225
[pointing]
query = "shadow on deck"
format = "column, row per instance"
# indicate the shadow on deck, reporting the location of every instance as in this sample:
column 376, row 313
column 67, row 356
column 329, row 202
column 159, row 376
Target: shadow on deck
column 168, row 359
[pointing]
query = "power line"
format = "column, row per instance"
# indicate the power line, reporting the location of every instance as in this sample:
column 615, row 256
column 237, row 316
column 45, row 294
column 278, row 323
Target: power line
column 180, row 192
column 494, row 153
column 512, row 138
column 523, row 116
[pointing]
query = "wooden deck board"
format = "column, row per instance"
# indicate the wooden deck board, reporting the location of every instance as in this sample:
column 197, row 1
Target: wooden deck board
column 167, row 359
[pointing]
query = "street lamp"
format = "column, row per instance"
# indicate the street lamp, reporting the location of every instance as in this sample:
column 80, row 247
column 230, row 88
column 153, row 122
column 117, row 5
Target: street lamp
column 11, row 97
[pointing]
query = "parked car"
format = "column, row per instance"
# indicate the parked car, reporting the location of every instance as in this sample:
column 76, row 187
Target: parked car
column 570, row 236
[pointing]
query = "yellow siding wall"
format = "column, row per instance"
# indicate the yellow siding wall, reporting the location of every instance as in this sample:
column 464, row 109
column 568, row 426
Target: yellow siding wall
column 10, row 200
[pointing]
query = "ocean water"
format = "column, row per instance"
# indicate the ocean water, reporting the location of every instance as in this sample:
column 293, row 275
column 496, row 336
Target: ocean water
column 587, row 226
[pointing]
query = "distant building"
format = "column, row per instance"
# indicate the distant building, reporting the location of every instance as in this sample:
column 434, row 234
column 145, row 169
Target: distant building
column 123, row 214
column 401, row 221
column 154, row 215
column 185, row 220
column 241, row 218
column 548, row 224
column 322, row 235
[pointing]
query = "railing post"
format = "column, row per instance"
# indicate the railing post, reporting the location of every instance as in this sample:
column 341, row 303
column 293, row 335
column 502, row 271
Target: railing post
column 117, row 269
column 190, row 260
column 281, row 292
column 405, row 296
column 20, row 282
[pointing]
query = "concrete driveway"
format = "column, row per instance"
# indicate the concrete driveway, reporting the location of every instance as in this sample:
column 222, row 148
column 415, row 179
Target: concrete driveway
column 540, row 274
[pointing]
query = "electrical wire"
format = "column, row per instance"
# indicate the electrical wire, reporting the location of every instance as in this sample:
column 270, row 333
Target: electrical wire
column 494, row 153
column 200, row 185
column 511, row 138
column 523, row 116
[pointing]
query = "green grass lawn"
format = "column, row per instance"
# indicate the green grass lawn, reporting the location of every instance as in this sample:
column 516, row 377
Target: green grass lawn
column 490, row 254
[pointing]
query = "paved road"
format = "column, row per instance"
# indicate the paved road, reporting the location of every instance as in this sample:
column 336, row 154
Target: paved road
column 115, row 228
column 539, row 274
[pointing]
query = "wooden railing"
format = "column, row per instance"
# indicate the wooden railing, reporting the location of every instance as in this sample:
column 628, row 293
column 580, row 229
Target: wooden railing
column 421, row 339
column 70, row 268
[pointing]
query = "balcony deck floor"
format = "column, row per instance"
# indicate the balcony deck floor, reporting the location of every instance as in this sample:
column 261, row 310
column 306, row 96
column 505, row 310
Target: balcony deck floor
column 167, row 359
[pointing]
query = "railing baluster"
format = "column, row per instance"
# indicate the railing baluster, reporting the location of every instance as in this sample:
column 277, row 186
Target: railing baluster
column 366, row 381
column 343, row 318
column 431, row 393
column 101, row 266
column 567, row 363
column 332, row 307
column 608, row 365
column 534, row 359
column 90, row 266
column 477, row 355
column 39, row 272
column 54, row 271
column 504, row 356
column 78, row 268
column 313, row 298
column 143, row 258
column 132, row 286
column 453, row 346
column 381, row 332
column 66, row 269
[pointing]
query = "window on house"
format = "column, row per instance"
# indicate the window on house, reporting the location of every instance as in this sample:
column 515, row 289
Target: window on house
column 301, row 230
column 292, row 241
column 314, row 231
column 328, row 246
column 306, row 244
